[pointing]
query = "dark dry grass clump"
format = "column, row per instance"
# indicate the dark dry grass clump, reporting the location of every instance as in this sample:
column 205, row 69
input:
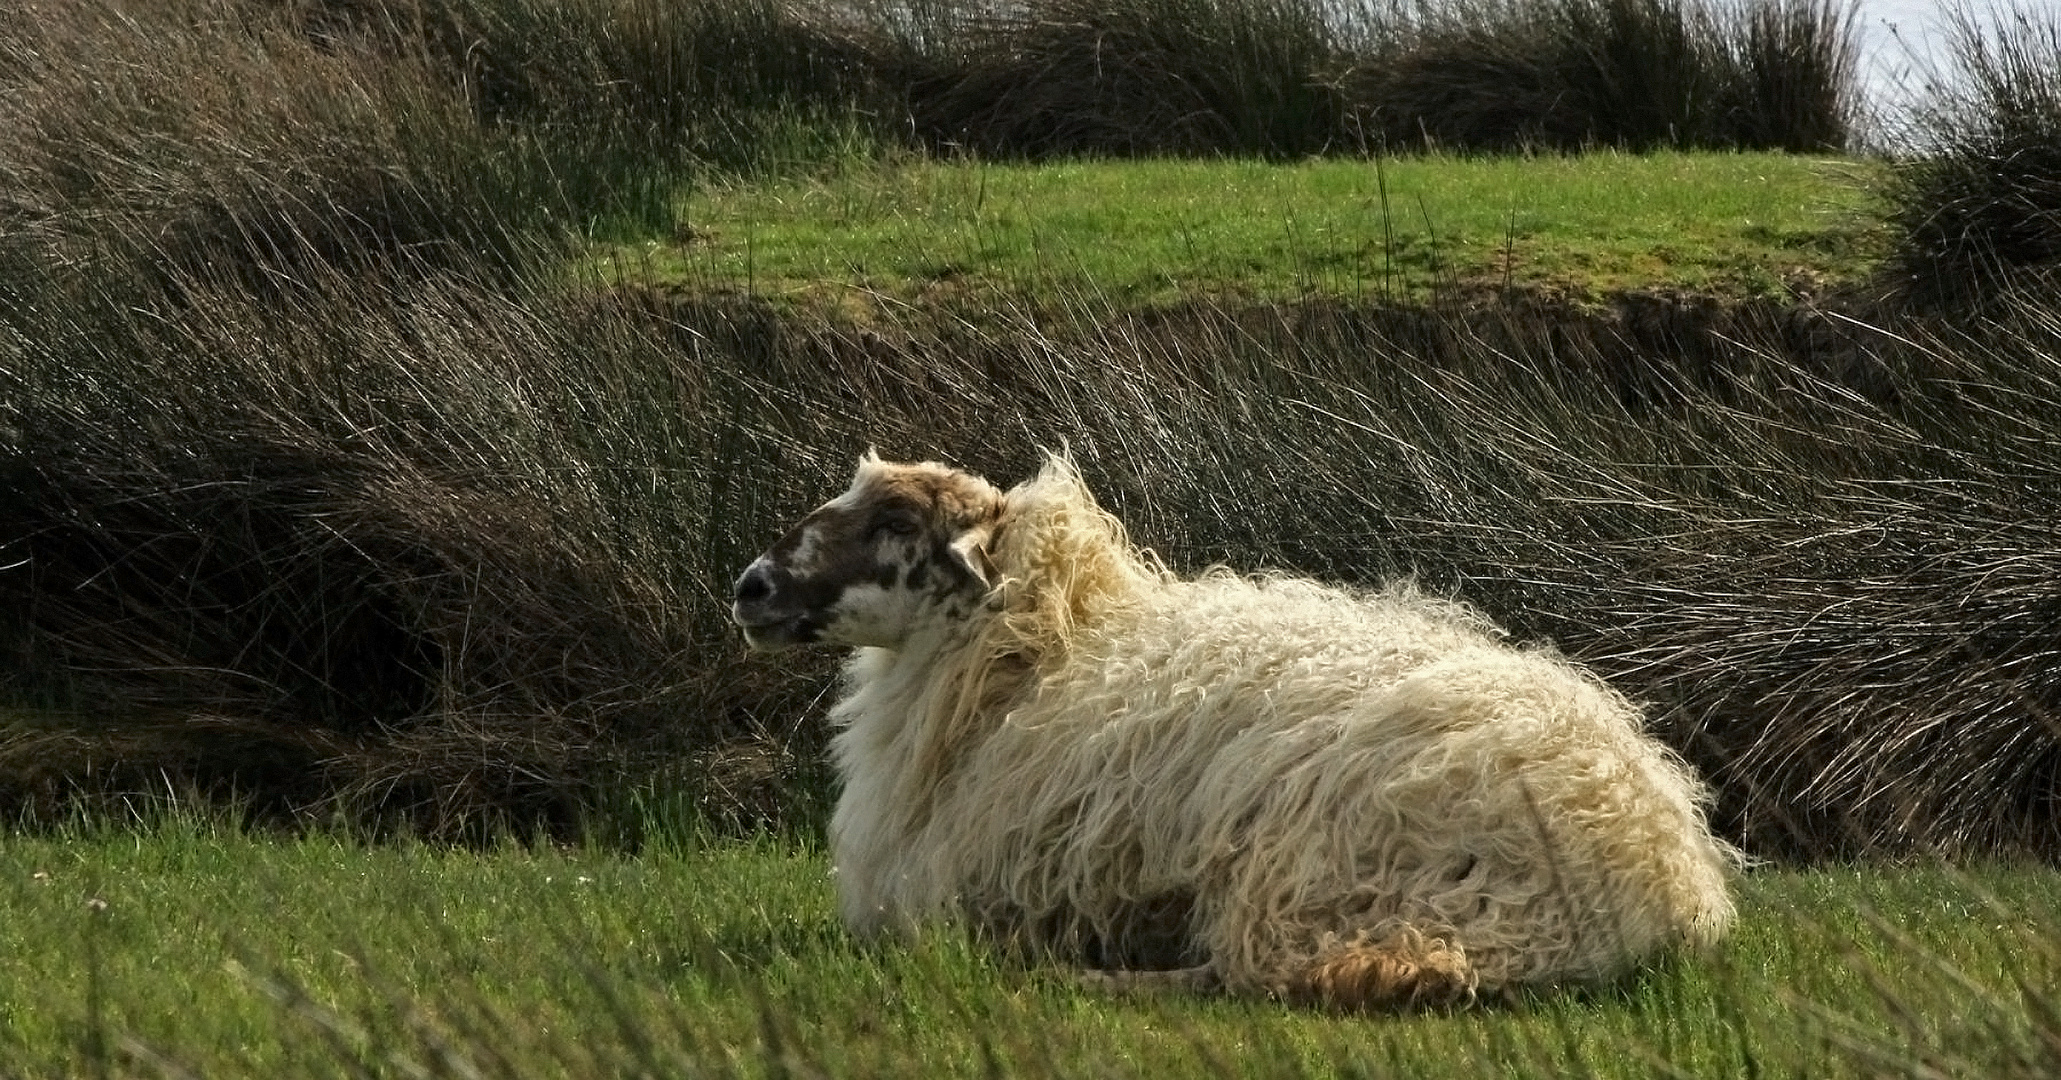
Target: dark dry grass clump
column 1288, row 77
column 733, row 84
column 709, row 81
column 201, row 136
column 1141, row 77
column 251, row 547
column 1979, row 205
column 407, row 548
column 1634, row 74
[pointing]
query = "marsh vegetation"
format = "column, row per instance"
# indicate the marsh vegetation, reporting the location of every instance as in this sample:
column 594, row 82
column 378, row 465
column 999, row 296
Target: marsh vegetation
column 387, row 393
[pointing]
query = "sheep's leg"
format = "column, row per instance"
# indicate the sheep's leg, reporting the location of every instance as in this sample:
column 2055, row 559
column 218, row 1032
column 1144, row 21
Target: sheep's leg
column 1408, row 971
column 1194, row 980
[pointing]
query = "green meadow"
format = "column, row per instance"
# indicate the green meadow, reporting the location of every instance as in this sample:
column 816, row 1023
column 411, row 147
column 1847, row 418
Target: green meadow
column 182, row 948
column 1156, row 232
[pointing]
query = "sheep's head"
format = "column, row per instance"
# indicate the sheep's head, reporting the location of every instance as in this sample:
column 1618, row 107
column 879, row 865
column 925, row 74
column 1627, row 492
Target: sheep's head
column 905, row 546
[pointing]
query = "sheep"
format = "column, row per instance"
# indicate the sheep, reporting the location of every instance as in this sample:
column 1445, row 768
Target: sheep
column 1252, row 784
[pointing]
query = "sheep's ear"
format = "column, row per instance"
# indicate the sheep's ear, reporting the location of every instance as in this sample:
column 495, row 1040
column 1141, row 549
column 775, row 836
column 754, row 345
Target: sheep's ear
column 970, row 549
column 867, row 461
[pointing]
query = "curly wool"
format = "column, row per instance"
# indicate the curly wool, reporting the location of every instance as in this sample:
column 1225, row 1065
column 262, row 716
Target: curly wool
column 1281, row 780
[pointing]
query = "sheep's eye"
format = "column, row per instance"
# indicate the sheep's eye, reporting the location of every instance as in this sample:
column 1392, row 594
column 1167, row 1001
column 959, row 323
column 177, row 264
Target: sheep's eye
column 894, row 526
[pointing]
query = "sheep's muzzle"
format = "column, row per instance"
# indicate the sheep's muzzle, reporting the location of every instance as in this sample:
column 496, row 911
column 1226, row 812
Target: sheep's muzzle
column 761, row 605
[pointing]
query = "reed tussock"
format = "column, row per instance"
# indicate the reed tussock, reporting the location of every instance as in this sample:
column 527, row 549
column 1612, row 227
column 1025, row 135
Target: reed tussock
column 207, row 136
column 1287, row 77
column 595, row 86
column 1142, row 77
column 1979, row 196
column 1634, row 74
column 404, row 548
column 712, row 83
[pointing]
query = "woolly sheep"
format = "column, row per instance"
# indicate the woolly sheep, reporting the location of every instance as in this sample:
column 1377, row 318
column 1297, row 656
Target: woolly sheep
column 1253, row 783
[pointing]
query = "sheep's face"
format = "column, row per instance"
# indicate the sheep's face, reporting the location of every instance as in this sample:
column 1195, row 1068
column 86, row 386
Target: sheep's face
column 905, row 547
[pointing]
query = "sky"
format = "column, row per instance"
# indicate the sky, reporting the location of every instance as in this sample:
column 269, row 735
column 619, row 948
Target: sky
column 1892, row 33
column 1901, row 41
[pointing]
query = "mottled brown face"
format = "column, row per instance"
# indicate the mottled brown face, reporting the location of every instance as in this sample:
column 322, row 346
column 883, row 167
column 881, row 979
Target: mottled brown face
column 903, row 548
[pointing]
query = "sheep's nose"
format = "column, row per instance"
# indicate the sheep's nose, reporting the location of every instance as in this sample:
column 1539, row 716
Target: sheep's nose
column 754, row 586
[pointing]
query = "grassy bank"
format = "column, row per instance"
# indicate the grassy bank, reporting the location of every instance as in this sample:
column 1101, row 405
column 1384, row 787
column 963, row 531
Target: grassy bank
column 1160, row 232
column 188, row 949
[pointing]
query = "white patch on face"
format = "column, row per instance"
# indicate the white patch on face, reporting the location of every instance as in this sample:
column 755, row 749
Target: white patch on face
column 808, row 555
column 867, row 614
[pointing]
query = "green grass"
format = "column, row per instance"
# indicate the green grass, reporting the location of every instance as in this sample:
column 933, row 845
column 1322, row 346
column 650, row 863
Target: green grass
column 1160, row 231
column 198, row 948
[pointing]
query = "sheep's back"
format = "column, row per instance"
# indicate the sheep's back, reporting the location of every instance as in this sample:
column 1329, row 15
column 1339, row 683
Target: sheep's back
column 1087, row 779
column 1311, row 753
